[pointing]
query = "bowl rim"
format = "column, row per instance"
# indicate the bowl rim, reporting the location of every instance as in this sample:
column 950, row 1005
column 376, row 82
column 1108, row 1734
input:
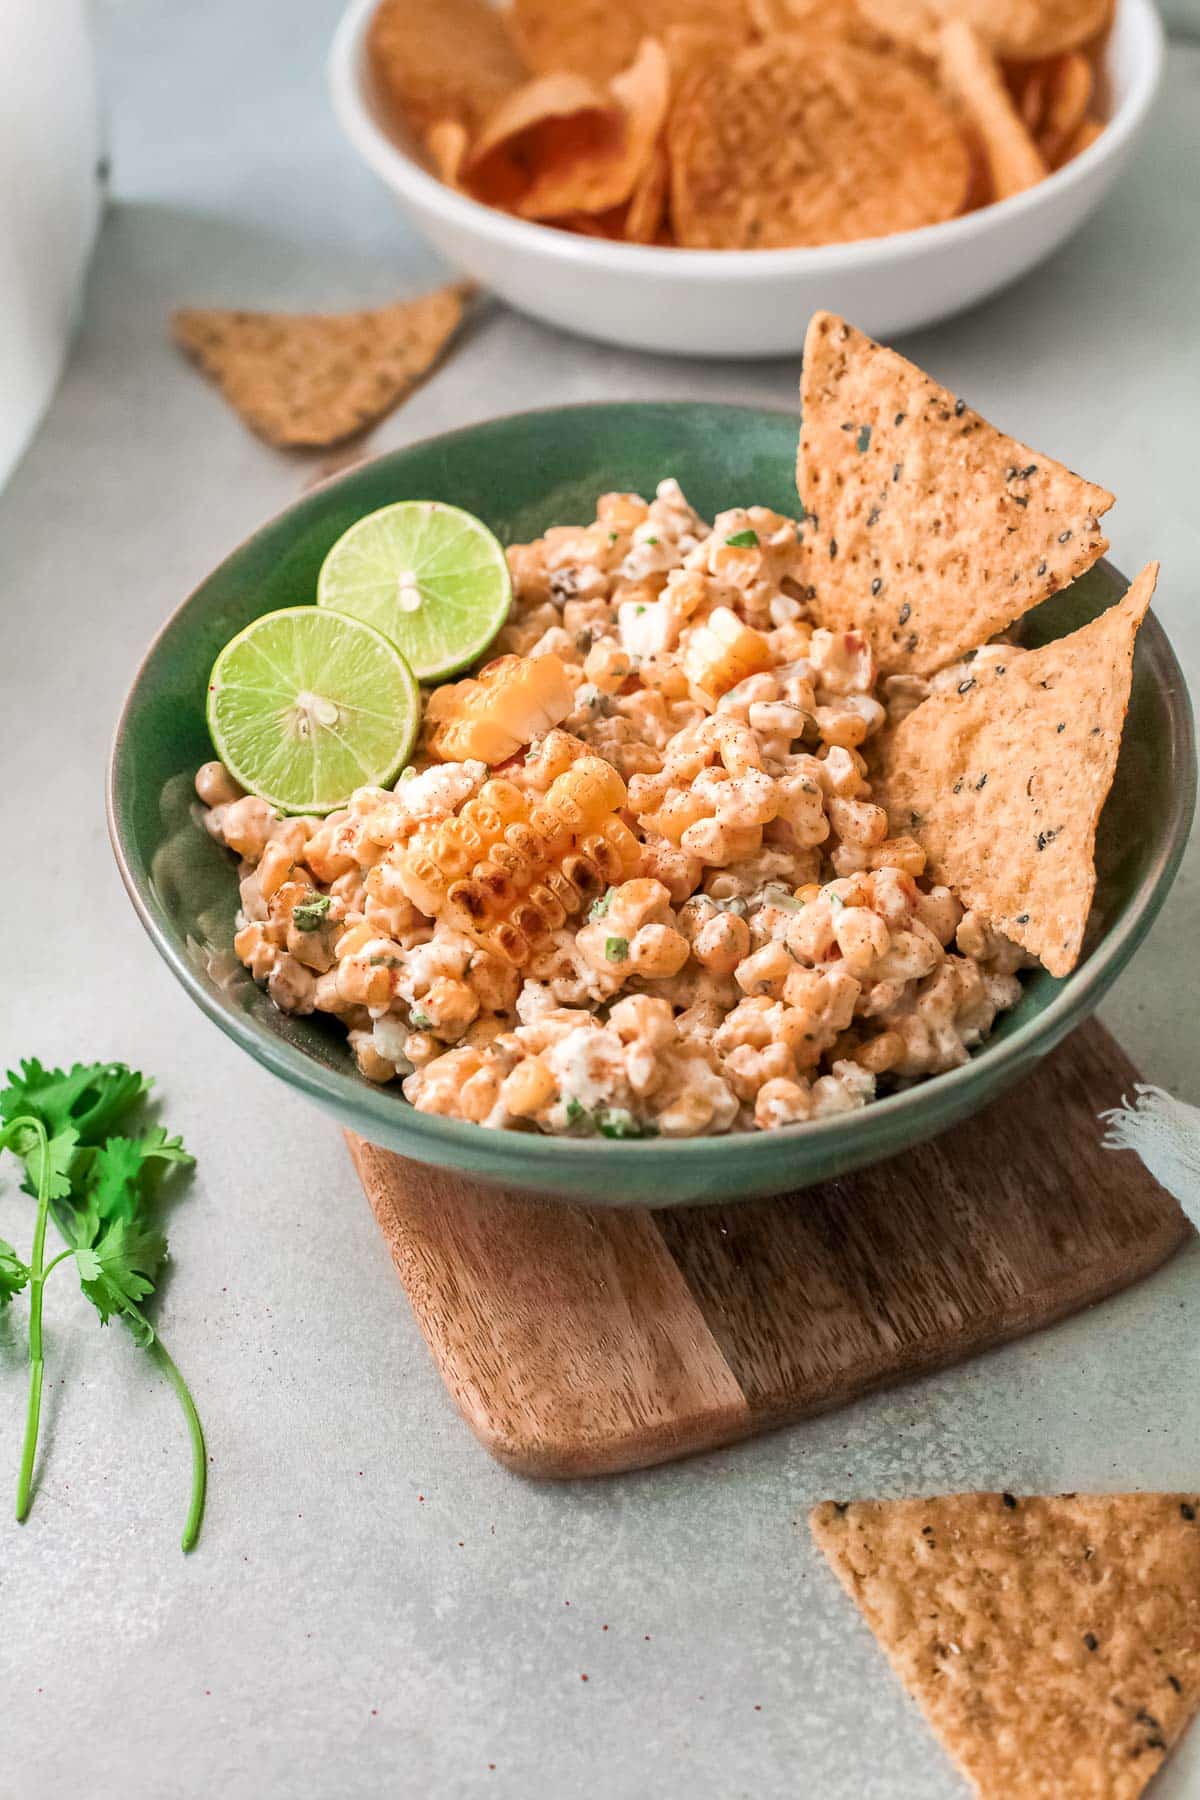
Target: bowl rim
column 402, row 172
column 461, row 1141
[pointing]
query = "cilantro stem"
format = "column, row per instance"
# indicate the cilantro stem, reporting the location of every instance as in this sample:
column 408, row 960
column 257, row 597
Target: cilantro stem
column 37, row 1277
column 191, row 1529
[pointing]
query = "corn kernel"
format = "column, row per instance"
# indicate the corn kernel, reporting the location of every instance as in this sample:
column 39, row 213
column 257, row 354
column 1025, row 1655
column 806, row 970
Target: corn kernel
column 508, row 872
column 722, row 652
column 510, row 702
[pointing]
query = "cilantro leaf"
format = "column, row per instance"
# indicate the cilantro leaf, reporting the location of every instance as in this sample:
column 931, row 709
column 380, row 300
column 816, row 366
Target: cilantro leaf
column 119, row 1271
column 743, row 540
column 309, row 915
column 100, row 1189
column 14, row 1274
column 60, row 1155
column 124, row 1173
column 90, row 1097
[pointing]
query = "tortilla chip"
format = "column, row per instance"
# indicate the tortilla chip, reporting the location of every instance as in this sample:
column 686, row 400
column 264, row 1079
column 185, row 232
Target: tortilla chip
column 1027, row 83
column 1068, row 96
column 442, row 59
column 971, row 73
column 446, row 145
column 932, row 530
column 818, row 18
column 561, row 145
column 1052, row 1644
column 1083, row 140
column 598, row 38
column 1002, row 782
column 648, row 203
column 305, row 381
column 1015, row 30
column 545, row 121
column 789, row 143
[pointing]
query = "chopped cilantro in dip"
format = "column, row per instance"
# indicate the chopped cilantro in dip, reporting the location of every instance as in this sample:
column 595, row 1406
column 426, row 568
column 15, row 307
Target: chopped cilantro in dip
column 309, row 915
column 743, row 540
column 616, row 949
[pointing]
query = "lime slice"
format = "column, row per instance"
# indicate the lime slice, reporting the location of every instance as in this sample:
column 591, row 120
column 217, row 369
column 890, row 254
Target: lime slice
column 430, row 577
column 305, row 706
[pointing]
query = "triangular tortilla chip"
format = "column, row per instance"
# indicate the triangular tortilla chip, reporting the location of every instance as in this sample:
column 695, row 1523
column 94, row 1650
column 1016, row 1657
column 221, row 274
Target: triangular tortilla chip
column 932, row 530
column 1052, row 1644
column 308, row 380
column 1002, row 781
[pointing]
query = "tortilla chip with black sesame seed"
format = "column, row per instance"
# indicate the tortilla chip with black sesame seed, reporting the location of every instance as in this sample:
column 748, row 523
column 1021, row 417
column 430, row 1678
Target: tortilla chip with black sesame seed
column 1002, row 780
column 946, row 530
column 1053, row 1644
column 309, row 380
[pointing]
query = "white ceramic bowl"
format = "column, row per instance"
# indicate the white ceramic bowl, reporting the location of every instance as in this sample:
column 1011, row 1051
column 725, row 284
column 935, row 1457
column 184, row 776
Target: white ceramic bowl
column 749, row 303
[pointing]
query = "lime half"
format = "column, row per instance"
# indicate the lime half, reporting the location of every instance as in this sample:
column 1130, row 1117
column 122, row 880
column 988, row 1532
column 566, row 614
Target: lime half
column 432, row 578
column 305, row 706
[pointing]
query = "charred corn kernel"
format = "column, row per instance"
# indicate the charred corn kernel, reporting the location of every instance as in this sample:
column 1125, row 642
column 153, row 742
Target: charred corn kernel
column 607, row 666
column 657, row 952
column 353, row 939
column 216, row 786
column 274, row 869
column 478, row 1095
column 722, row 652
column 508, row 872
column 449, row 1006
column 253, row 947
column 681, row 809
column 879, row 1054
column 490, row 718
column 530, row 1087
column 898, row 853
column 621, row 512
column 370, row 1063
column 365, row 980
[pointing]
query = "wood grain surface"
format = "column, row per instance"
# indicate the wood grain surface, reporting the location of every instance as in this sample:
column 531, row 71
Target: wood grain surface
column 581, row 1342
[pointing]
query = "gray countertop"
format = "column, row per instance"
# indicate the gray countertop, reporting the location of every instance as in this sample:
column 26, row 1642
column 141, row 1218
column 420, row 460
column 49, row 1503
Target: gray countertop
column 375, row 1607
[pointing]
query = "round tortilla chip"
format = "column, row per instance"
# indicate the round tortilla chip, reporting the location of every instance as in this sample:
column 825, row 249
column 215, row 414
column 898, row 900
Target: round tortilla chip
column 1068, row 96
column 648, row 204
column 820, row 19
column 547, row 121
column 1016, row 30
column 788, row 144
column 437, row 60
column 562, row 146
column 446, row 145
column 599, row 38
column 971, row 73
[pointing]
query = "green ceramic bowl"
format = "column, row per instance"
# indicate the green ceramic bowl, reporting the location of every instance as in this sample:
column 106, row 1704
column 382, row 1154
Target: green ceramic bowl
column 521, row 475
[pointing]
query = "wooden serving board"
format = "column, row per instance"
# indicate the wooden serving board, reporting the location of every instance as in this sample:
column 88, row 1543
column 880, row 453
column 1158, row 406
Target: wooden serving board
column 579, row 1342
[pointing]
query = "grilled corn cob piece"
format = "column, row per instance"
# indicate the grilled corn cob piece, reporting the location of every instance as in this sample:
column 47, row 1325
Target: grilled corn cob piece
column 509, row 703
column 507, row 872
column 722, row 652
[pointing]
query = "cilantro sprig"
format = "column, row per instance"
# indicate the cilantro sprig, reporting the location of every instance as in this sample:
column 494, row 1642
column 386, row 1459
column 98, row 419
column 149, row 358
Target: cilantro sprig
column 101, row 1189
